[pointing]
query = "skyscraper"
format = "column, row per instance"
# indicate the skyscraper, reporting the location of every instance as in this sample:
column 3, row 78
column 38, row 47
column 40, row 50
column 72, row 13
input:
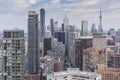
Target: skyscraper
column 66, row 22
column 42, row 22
column 100, row 29
column 52, row 27
column 13, row 55
column 84, row 30
column 33, row 43
column 93, row 29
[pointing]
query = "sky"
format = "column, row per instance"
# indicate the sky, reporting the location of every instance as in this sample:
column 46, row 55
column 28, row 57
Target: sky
column 14, row 13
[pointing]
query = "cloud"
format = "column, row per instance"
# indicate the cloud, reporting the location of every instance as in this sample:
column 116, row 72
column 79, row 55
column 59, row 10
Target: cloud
column 32, row 1
column 55, row 1
column 76, row 9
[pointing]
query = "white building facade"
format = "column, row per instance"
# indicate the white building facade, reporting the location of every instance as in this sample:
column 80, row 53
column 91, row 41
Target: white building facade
column 73, row 74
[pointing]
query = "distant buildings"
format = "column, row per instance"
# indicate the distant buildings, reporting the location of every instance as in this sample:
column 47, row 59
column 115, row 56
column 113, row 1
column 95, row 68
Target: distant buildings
column 93, row 29
column 100, row 29
column 112, row 32
column 84, row 29
column 33, row 43
column 13, row 55
column 73, row 74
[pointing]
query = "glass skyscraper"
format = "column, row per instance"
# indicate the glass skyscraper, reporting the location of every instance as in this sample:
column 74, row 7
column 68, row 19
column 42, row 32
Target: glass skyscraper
column 33, row 43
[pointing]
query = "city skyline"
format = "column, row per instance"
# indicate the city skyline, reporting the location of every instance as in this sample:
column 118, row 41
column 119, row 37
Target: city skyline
column 14, row 13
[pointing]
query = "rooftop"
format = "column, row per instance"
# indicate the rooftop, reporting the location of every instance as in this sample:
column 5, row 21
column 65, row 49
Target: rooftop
column 76, row 71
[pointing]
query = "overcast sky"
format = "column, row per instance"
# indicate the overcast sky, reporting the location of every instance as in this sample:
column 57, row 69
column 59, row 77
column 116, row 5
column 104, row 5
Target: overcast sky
column 13, row 13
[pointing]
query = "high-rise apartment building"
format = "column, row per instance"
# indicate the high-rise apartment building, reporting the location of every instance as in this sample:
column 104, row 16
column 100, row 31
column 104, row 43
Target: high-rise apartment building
column 33, row 43
column 13, row 55
column 84, row 29
column 42, row 22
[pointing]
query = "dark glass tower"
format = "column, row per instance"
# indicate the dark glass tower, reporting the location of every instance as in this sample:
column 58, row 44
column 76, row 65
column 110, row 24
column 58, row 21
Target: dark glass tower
column 33, row 43
column 42, row 22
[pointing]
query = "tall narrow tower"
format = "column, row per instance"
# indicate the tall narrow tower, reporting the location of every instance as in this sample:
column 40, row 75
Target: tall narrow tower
column 100, row 29
column 66, row 22
column 33, row 43
column 42, row 22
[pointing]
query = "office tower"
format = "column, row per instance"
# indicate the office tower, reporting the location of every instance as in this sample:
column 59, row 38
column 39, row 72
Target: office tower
column 60, row 35
column 81, row 44
column 100, row 29
column 99, row 41
column 70, row 35
column 42, row 22
column 33, row 43
column 52, row 27
column 13, row 55
column 47, row 44
column 78, row 54
column 84, row 29
column 93, row 29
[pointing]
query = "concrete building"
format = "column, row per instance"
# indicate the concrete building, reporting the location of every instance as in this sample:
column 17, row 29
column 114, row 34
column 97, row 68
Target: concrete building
column 108, row 73
column 33, row 77
column 92, row 57
column 33, row 43
column 13, row 55
column 73, row 74
column 84, row 28
column 114, row 60
column 99, row 41
column 50, row 65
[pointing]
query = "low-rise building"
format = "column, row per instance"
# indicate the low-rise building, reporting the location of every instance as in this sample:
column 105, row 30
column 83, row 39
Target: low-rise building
column 108, row 73
column 73, row 74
